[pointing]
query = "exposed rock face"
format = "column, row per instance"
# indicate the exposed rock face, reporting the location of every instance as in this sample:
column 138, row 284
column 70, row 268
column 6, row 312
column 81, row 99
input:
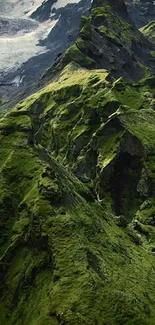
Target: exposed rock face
column 44, row 11
column 67, row 29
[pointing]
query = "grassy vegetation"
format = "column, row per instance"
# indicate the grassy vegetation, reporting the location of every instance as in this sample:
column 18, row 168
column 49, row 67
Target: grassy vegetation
column 77, row 170
column 149, row 30
column 65, row 256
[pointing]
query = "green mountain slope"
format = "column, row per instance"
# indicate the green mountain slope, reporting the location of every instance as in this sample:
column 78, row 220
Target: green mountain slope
column 77, row 196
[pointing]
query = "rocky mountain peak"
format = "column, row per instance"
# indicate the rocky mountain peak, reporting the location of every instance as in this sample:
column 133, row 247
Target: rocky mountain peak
column 118, row 6
column 110, row 40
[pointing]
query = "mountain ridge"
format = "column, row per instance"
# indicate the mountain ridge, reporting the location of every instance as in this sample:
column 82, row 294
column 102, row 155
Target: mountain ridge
column 77, row 167
column 107, row 46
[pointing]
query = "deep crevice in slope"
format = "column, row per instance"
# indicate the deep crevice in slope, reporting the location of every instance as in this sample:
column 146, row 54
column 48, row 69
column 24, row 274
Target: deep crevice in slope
column 126, row 176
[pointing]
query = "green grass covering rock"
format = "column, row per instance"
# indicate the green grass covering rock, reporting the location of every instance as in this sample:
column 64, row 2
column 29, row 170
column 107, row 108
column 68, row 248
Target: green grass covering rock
column 77, row 243
column 77, row 188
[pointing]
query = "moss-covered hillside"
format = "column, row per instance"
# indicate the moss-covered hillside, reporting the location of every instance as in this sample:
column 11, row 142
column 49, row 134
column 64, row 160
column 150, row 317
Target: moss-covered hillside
column 109, row 40
column 77, row 201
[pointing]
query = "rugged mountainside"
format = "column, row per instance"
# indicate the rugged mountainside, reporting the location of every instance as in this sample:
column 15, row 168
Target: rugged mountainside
column 77, row 189
column 109, row 40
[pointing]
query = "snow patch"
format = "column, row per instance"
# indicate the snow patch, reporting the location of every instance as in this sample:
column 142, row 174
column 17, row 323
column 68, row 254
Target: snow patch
column 18, row 80
column 24, row 44
column 16, row 50
column 63, row 3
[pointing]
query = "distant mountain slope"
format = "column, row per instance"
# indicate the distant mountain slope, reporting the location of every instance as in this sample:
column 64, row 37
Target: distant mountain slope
column 141, row 11
column 37, row 49
column 49, row 8
column 17, row 8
